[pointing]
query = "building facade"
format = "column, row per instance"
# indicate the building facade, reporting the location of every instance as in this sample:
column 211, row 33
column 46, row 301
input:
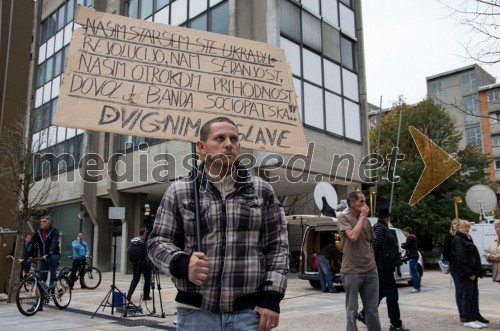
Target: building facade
column 468, row 94
column 94, row 171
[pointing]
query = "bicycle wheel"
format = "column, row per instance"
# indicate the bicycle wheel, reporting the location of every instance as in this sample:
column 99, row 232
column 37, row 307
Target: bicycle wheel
column 92, row 278
column 62, row 292
column 65, row 272
column 28, row 302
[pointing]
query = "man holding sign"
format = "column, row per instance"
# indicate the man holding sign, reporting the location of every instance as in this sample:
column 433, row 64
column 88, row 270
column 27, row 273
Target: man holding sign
column 239, row 277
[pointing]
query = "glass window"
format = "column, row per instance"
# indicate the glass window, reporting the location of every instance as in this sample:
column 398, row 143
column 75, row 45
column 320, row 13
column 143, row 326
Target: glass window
column 199, row 23
column 311, row 31
column 61, row 134
column 347, row 21
column 311, row 5
column 473, row 136
column 196, row 7
column 329, row 11
column 346, row 48
column 61, row 19
column 52, row 24
column 290, row 20
column 38, row 97
column 292, row 51
column 133, row 8
column 179, row 12
column 347, row 2
column 495, row 140
column 497, row 164
column 471, row 109
column 40, row 75
column 162, row 15
column 48, row 70
column 56, row 84
column 59, row 40
column 50, row 46
column 331, row 42
column 70, row 11
column 468, row 81
column 161, row 3
column 297, row 84
column 350, row 84
column 146, row 9
column 435, row 89
column 58, row 63
column 494, row 117
column 42, row 51
column 312, row 67
column 68, row 32
column 219, row 20
column 332, row 76
column 493, row 95
column 313, row 106
column 334, row 115
column 47, row 92
column 352, row 120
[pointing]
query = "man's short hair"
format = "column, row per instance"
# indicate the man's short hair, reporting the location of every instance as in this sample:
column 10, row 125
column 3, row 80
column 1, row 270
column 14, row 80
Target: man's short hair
column 353, row 196
column 205, row 129
column 48, row 218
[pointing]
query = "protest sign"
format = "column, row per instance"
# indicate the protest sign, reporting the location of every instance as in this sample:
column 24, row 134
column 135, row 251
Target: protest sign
column 135, row 77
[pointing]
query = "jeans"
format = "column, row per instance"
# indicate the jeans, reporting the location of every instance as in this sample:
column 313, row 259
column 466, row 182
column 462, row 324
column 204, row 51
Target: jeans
column 367, row 287
column 325, row 274
column 49, row 265
column 138, row 269
column 415, row 278
column 389, row 290
column 193, row 320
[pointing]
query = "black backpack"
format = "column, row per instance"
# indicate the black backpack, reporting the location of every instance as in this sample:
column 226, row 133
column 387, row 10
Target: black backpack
column 136, row 250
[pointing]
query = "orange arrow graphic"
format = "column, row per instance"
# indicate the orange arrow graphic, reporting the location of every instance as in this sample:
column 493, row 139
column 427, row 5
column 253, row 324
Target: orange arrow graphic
column 439, row 165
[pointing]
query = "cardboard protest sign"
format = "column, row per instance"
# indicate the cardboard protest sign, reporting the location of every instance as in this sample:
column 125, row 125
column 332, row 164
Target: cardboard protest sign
column 134, row 77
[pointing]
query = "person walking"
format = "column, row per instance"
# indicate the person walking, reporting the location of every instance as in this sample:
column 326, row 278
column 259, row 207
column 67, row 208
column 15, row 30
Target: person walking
column 238, row 278
column 359, row 271
column 387, row 257
column 467, row 264
column 80, row 256
column 325, row 255
column 492, row 254
column 141, row 265
column 411, row 248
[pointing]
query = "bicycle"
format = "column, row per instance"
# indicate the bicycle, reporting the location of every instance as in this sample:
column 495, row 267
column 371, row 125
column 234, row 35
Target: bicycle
column 91, row 275
column 24, row 274
column 29, row 301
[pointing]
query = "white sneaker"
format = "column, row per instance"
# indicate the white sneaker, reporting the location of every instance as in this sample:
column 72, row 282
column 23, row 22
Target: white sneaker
column 474, row 325
column 483, row 325
column 414, row 291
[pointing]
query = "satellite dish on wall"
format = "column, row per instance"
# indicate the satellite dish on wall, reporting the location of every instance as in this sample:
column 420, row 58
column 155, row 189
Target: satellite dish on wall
column 481, row 199
column 325, row 198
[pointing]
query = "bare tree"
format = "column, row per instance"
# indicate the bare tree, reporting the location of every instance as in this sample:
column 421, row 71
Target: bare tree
column 483, row 19
column 297, row 203
column 17, row 151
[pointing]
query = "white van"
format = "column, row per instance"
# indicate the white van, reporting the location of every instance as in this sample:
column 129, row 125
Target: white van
column 317, row 232
column 482, row 234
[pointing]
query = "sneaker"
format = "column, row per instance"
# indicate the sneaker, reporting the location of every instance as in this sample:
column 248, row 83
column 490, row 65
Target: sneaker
column 414, row 291
column 484, row 325
column 334, row 291
column 482, row 320
column 398, row 328
column 473, row 325
column 361, row 318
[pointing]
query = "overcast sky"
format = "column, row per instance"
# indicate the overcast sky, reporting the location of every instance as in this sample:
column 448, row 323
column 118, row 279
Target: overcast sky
column 407, row 41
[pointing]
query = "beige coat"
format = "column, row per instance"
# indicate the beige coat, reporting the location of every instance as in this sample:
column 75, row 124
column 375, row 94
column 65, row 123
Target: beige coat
column 492, row 250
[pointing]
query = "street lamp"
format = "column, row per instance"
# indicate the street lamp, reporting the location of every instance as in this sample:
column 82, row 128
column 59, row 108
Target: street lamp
column 457, row 200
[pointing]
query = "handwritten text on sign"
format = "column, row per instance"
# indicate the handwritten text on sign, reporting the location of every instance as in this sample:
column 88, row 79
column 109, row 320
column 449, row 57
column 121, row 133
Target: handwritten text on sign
column 140, row 78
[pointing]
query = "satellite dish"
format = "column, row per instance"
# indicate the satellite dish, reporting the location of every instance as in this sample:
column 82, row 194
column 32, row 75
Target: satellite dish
column 324, row 197
column 481, row 199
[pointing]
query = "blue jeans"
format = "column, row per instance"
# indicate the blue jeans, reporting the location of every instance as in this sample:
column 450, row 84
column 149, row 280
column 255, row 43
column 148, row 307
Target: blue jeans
column 367, row 287
column 193, row 320
column 415, row 278
column 325, row 274
column 49, row 265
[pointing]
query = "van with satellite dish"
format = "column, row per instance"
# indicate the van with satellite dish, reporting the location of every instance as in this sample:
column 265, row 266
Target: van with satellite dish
column 318, row 231
column 482, row 234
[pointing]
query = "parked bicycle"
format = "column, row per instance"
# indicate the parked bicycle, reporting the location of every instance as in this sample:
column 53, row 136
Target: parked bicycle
column 91, row 275
column 31, row 266
column 32, row 291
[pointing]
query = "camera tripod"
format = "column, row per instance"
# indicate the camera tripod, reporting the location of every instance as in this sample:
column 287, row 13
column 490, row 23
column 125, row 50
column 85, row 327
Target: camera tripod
column 106, row 302
column 155, row 278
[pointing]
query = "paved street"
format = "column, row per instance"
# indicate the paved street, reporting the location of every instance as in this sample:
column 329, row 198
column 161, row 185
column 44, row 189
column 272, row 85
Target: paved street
column 303, row 308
